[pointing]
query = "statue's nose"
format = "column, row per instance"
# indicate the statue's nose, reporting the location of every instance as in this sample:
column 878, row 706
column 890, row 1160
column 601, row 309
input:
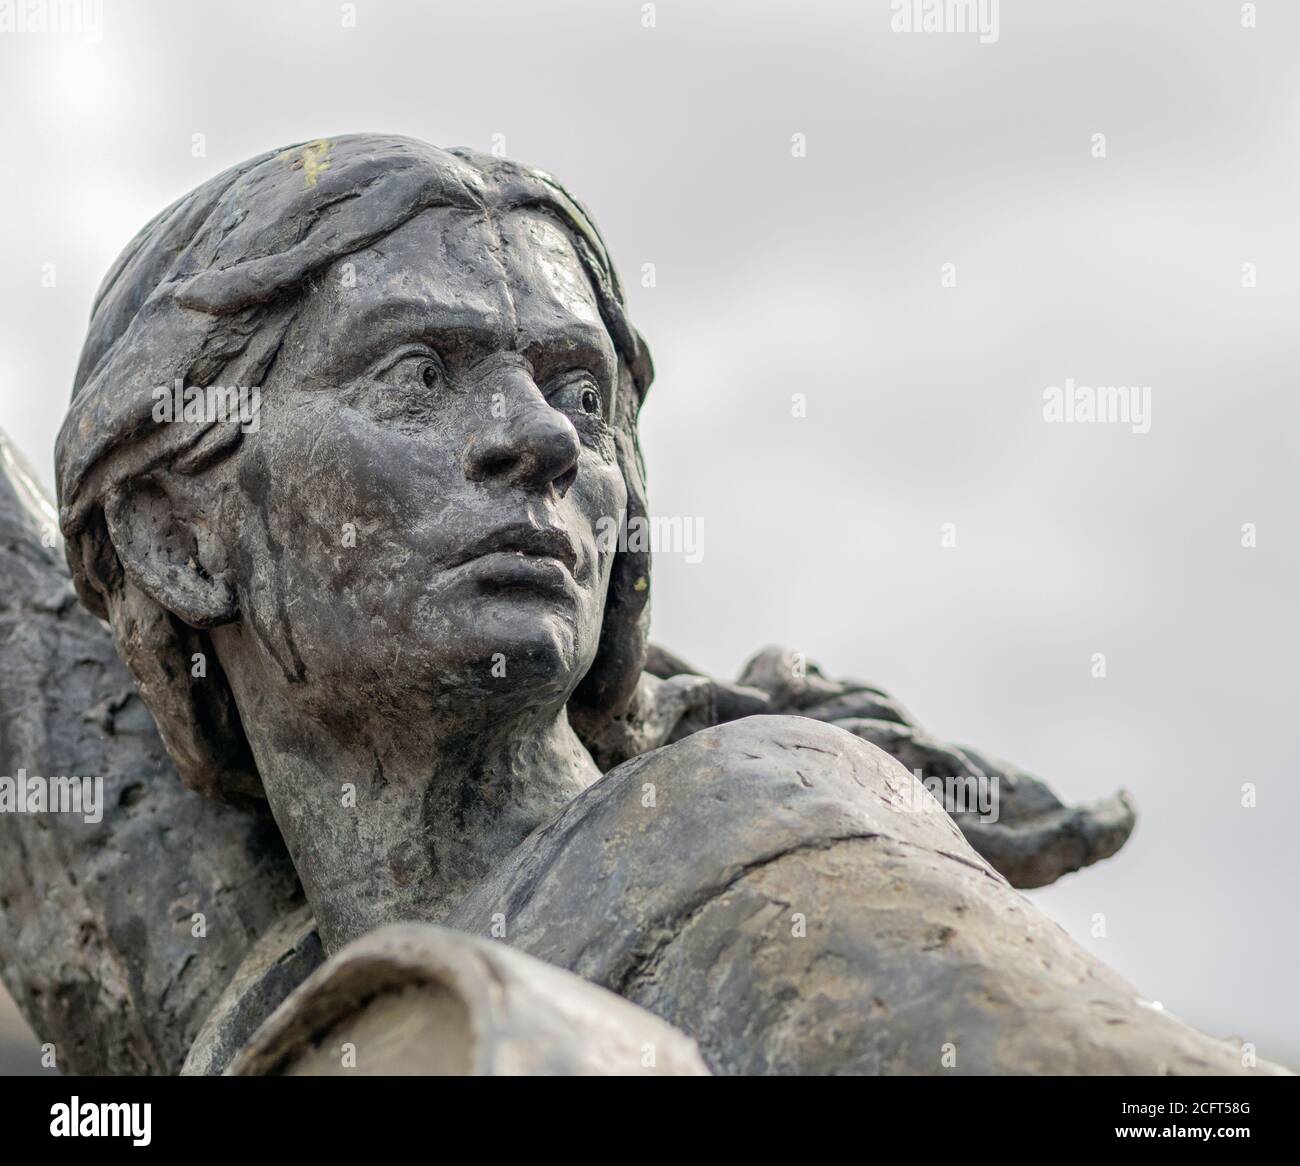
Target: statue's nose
column 529, row 444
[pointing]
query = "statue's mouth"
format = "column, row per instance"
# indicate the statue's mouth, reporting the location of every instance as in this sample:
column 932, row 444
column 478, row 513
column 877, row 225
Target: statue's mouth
column 517, row 571
column 524, row 542
column 528, row 558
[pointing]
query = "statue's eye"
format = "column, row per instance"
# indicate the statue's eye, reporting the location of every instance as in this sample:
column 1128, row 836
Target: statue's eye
column 579, row 395
column 415, row 371
column 430, row 371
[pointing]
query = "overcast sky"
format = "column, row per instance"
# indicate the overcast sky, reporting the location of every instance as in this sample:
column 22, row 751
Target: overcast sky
column 777, row 274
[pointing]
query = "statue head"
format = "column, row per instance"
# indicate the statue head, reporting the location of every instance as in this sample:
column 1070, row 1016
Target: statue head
column 410, row 516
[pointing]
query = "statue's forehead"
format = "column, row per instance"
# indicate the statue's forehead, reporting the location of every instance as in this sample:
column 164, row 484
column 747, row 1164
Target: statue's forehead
column 547, row 265
column 511, row 266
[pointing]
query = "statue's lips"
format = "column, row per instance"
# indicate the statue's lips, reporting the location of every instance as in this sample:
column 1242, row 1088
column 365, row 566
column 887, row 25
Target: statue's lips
column 547, row 542
column 514, row 570
column 523, row 556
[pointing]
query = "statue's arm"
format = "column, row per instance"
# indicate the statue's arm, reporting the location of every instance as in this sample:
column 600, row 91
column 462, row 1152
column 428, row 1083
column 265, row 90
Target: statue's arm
column 1011, row 818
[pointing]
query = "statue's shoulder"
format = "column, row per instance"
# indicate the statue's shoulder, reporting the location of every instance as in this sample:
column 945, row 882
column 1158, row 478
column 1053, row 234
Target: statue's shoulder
column 772, row 750
column 667, row 831
column 673, row 827
column 771, row 779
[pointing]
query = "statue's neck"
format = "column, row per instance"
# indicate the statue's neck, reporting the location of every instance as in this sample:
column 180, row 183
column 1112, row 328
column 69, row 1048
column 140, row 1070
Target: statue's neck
column 400, row 825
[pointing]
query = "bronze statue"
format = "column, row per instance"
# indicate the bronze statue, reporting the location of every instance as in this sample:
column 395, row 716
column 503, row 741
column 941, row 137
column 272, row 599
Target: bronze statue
column 381, row 598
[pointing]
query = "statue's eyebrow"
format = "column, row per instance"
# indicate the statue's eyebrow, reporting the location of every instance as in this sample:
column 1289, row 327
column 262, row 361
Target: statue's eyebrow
column 383, row 326
column 568, row 346
column 399, row 320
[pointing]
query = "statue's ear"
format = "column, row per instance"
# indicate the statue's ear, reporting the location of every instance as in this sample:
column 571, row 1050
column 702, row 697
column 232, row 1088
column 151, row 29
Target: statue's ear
column 177, row 561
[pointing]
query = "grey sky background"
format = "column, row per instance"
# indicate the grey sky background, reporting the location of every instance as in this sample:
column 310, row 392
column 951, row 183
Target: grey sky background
column 820, row 275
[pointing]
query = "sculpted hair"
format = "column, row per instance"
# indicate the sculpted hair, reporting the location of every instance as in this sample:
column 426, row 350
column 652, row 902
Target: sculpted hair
column 205, row 293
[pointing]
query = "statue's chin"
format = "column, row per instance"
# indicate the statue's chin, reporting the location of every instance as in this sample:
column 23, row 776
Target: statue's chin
column 512, row 652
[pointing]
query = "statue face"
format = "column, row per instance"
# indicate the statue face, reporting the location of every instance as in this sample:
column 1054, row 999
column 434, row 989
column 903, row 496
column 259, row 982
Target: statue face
column 433, row 459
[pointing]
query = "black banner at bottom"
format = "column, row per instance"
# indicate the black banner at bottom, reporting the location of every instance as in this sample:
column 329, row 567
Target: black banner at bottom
column 371, row 1114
